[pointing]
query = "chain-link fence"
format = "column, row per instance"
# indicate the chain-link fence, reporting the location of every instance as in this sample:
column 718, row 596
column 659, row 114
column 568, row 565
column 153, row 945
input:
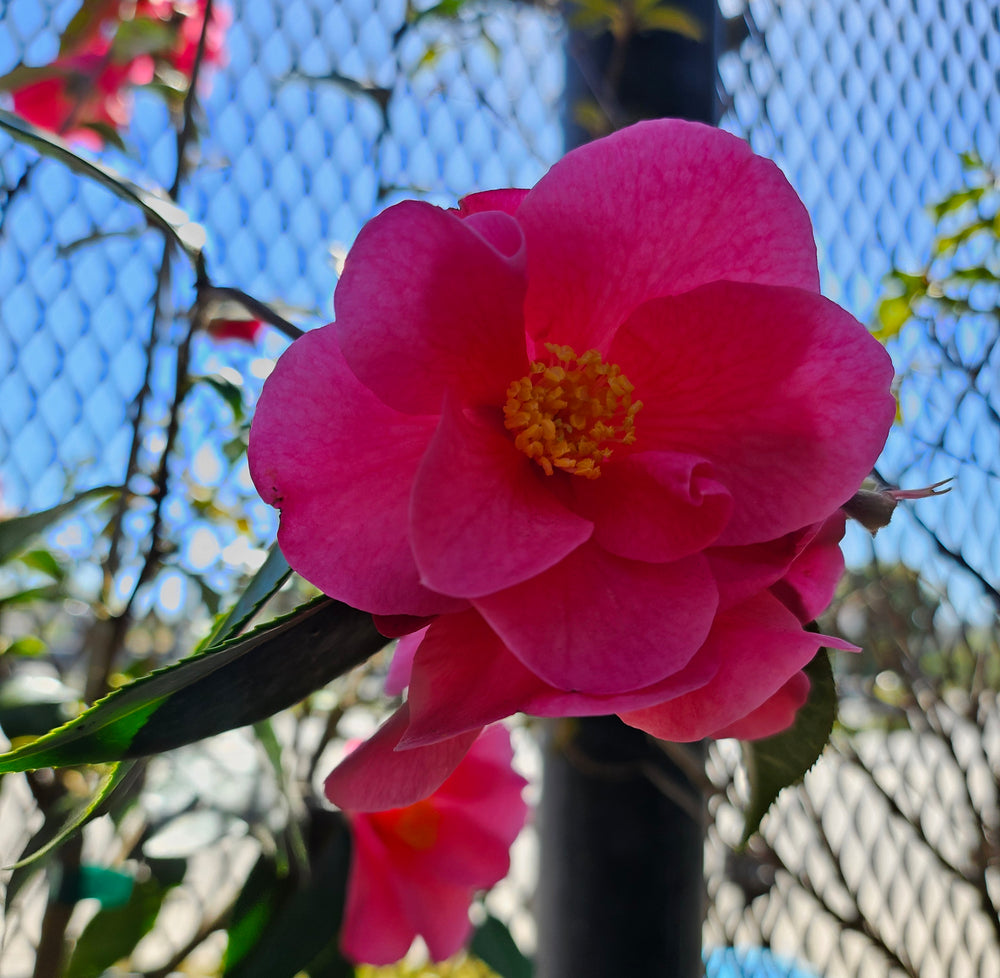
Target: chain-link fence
column 886, row 861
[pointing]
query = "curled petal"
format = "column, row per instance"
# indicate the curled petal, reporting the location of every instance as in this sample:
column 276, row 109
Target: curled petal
column 808, row 586
column 376, row 776
column 398, row 676
column 427, row 304
column 760, row 645
column 654, row 506
column 789, row 408
column 507, row 201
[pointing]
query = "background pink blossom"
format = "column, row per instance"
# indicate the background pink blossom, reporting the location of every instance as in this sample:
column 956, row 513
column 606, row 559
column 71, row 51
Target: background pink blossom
column 415, row 869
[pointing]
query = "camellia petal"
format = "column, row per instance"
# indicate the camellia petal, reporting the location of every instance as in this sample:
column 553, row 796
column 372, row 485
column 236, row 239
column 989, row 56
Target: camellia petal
column 760, row 644
column 808, row 586
column 466, row 678
column 656, row 209
column 376, row 776
column 473, row 485
column 655, row 506
column 319, row 446
column 398, row 676
column 376, row 928
column 774, row 715
column 599, row 624
column 789, row 408
column 426, row 304
column 507, row 201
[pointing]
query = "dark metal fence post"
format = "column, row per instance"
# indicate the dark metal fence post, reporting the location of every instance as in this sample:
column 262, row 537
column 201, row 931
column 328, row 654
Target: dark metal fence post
column 622, row 837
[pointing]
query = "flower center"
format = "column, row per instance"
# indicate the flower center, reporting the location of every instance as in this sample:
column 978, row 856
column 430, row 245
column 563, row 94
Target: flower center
column 416, row 826
column 569, row 414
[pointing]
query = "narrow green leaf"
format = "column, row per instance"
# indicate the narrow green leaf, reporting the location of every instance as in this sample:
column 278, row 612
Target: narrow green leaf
column 17, row 532
column 30, row 704
column 230, row 685
column 266, row 582
column 227, row 390
column 44, row 562
column 28, row 646
column 115, row 783
column 781, row 761
column 494, row 946
column 284, row 928
column 114, row 933
column 158, row 208
column 23, row 75
column 48, row 592
column 107, row 134
column 957, row 200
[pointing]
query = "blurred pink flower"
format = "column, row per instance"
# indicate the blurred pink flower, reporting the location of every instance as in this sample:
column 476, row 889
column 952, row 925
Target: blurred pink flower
column 186, row 18
column 88, row 88
column 84, row 89
column 416, row 869
column 589, row 437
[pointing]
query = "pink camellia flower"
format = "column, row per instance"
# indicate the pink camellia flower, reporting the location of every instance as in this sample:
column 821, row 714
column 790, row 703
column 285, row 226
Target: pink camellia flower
column 414, row 870
column 592, row 437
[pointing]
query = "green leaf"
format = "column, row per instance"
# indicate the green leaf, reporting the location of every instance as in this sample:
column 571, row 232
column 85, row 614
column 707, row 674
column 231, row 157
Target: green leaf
column 781, row 761
column 139, row 36
column 114, row 933
column 281, row 926
column 227, row 390
column 957, row 200
column 115, row 783
column 85, row 21
column 44, row 562
column 28, row 646
column 107, row 133
column 49, row 592
column 30, row 704
column 17, row 532
column 446, row 9
column 24, row 75
column 893, row 313
column 494, row 946
column 229, row 685
column 266, row 582
column 158, row 208
column 671, row 19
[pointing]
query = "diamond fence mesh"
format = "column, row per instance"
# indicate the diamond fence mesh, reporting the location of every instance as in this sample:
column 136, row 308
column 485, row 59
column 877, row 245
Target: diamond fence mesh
column 887, row 860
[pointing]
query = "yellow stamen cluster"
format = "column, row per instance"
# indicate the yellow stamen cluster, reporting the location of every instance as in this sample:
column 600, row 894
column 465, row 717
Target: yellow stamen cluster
column 570, row 413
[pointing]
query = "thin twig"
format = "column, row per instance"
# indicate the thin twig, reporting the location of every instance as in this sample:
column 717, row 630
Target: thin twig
column 254, row 306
